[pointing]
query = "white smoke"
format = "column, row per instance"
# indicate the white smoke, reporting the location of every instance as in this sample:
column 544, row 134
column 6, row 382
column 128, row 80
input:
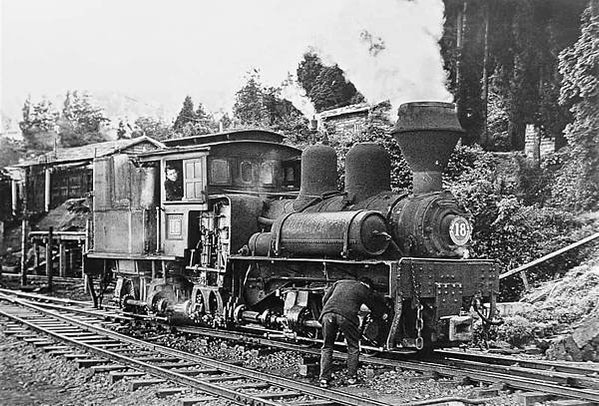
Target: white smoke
column 292, row 91
column 160, row 52
column 389, row 49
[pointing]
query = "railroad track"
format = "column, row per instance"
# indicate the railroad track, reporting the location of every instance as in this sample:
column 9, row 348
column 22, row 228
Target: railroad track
column 552, row 378
column 147, row 364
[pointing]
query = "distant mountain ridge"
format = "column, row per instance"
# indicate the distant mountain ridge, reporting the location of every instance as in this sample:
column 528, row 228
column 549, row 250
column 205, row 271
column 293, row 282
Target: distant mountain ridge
column 117, row 106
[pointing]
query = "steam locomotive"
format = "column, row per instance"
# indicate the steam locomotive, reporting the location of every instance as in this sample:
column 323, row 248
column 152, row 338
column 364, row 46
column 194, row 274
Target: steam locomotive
column 245, row 242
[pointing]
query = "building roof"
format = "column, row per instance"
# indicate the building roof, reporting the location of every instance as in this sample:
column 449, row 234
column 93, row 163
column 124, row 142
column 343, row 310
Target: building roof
column 341, row 111
column 90, row 151
column 234, row 135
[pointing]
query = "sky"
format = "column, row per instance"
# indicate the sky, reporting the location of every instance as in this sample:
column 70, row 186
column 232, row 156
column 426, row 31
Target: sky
column 159, row 51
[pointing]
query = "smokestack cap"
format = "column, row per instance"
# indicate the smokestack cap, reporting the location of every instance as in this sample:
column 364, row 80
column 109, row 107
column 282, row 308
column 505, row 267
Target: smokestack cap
column 426, row 133
column 427, row 116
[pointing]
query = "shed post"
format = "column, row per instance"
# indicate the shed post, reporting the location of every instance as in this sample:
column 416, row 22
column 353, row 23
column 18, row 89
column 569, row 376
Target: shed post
column 62, row 258
column 47, row 190
column 49, row 257
column 24, row 250
column 71, row 258
column 14, row 191
column 24, row 233
column 36, row 254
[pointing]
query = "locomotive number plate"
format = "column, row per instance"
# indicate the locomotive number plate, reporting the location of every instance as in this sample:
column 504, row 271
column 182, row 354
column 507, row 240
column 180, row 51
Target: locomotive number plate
column 460, row 230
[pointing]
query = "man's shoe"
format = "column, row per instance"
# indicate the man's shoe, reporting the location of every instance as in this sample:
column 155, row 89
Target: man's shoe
column 323, row 383
column 352, row 381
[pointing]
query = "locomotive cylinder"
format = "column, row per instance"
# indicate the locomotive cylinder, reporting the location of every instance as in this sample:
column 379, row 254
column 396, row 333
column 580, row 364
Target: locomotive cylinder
column 427, row 132
column 319, row 175
column 351, row 233
column 367, row 171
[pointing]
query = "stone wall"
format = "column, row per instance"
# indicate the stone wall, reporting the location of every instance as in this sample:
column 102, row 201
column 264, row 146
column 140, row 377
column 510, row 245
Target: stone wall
column 547, row 144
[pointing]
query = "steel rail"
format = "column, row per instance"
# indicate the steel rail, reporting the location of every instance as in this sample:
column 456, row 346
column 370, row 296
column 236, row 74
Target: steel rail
column 578, row 380
column 478, row 372
column 328, row 394
column 129, row 361
column 52, row 298
column 556, row 366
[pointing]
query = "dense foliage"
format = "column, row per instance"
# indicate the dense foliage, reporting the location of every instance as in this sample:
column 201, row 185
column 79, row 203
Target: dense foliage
column 81, row 122
column 509, row 48
column 505, row 195
column 577, row 185
column 326, row 86
column 192, row 122
column 39, row 124
column 11, row 151
column 257, row 105
column 153, row 128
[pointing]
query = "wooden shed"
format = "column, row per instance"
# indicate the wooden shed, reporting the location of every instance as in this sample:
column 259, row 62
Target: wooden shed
column 67, row 173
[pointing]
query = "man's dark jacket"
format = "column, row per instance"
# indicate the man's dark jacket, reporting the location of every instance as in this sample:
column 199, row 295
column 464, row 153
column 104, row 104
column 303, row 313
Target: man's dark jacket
column 346, row 297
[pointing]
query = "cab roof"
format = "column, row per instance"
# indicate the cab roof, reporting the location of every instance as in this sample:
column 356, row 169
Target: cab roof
column 235, row 135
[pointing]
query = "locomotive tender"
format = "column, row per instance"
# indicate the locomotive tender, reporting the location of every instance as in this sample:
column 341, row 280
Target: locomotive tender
column 213, row 230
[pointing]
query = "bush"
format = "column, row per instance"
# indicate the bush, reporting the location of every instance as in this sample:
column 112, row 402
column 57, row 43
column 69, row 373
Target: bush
column 510, row 224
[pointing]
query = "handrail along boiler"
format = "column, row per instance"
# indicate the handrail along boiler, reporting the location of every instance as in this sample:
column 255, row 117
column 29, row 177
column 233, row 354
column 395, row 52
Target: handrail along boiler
column 244, row 248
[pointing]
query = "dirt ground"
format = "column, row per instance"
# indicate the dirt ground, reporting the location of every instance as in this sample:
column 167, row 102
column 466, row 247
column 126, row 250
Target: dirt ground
column 28, row 376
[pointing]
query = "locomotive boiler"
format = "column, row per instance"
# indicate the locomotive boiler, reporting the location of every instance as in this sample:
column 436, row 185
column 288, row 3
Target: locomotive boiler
column 244, row 249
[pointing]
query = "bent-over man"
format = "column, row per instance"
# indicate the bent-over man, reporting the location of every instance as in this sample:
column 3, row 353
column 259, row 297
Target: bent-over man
column 342, row 303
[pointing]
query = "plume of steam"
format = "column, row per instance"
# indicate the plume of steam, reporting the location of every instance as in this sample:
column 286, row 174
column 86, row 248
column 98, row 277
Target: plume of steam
column 292, row 91
column 375, row 44
column 389, row 49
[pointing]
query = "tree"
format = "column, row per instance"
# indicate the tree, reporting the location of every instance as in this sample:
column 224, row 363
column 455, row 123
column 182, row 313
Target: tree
column 81, row 122
column 577, row 184
column 38, row 124
column 121, row 131
column 186, row 115
column 326, row 86
column 226, row 121
column 308, row 70
column 260, row 106
column 10, row 151
column 153, row 128
column 249, row 107
column 519, row 41
column 204, row 122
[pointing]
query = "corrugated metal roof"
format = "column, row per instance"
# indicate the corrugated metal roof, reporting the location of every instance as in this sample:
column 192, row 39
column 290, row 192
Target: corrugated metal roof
column 90, row 151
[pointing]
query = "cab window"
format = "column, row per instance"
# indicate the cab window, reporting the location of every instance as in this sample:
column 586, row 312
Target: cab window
column 220, row 173
column 173, row 181
column 246, row 171
column 267, row 173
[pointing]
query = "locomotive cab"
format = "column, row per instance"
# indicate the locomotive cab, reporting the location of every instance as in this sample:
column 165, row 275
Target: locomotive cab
column 169, row 238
